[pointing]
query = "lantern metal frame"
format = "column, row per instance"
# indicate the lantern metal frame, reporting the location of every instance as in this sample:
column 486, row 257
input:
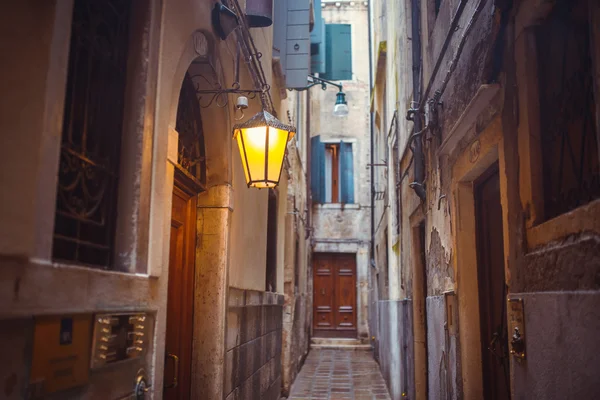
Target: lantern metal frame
column 260, row 120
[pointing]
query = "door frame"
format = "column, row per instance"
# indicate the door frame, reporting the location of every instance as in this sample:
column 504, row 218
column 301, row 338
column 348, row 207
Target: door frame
column 184, row 185
column 485, row 151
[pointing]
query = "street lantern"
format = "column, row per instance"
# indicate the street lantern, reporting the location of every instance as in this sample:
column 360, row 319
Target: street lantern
column 262, row 141
column 341, row 106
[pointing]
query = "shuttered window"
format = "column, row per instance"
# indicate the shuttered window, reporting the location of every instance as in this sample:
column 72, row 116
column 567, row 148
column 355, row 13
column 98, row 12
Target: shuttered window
column 338, row 52
column 332, row 172
column 346, row 173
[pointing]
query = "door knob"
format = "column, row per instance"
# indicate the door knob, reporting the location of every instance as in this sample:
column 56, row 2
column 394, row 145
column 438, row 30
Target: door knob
column 141, row 388
column 174, row 383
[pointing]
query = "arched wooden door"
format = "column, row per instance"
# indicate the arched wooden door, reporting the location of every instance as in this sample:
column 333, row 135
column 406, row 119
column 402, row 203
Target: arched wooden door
column 190, row 173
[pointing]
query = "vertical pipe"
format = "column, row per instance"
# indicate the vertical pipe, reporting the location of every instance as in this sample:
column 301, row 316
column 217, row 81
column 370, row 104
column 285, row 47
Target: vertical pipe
column 419, row 158
column 308, row 179
column 372, row 135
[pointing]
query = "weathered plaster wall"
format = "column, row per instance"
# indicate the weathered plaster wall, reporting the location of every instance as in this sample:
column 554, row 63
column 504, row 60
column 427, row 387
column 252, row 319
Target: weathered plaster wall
column 336, row 227
column 394, row 92
column 562, row 348
column 444, row 375
column 31, row 284
column 395, row 338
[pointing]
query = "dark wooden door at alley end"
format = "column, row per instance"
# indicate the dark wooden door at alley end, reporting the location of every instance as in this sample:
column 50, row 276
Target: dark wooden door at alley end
column 334, row 313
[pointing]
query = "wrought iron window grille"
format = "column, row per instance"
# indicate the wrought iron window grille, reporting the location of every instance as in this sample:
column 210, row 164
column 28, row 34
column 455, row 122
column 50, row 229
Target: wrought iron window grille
column 86, row 199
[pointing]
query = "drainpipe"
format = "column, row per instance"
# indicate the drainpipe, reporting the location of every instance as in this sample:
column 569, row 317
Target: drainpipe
column 414, row 114
column 307, row 167
column 372, row 137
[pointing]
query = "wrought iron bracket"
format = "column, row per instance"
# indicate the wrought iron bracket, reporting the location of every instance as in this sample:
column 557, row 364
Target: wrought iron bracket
column 315, row 80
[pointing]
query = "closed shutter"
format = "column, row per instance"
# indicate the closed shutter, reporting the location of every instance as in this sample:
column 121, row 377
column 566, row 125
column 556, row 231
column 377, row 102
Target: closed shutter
column 347, row 173
column 280, row 11
column 317, row 42
column 338, row 52
column 298, row 44
column 317, row 169
column 318, row 55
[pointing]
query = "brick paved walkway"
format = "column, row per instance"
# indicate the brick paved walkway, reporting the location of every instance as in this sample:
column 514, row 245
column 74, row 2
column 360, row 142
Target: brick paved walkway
column 339, row 374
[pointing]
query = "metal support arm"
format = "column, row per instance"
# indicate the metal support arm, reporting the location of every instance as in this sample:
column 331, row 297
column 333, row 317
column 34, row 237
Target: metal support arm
column 315, row 80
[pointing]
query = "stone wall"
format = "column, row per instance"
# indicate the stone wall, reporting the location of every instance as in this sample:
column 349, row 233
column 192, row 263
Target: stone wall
column 253, row 345
column 395, row 347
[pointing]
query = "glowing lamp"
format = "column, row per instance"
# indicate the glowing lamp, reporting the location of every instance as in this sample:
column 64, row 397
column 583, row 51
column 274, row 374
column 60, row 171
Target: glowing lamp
column 263, row 141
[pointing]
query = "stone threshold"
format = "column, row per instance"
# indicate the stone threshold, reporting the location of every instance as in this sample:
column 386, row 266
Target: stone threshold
column 339, row 343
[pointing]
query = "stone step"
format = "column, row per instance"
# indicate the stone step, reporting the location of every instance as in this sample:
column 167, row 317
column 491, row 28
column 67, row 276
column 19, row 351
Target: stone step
column 339, row 343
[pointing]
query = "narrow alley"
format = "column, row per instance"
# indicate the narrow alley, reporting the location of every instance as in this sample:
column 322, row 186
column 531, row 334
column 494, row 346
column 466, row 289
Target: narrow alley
column 339, row 374
column 299, row 199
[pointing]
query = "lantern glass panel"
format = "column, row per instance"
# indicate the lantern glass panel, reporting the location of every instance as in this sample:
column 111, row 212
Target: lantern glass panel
column 278, row 139
column 238, row 136
column 254, row 151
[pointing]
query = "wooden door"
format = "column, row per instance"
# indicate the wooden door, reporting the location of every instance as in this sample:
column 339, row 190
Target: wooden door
column 334, row 296
column 492, row 288
column 178, row 350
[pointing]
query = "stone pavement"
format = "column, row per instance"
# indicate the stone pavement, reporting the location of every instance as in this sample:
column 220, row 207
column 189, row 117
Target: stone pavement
column 339, row 374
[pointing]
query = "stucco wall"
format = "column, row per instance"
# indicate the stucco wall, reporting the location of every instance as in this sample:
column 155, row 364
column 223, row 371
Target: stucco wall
column 231, row 225
column 550, row 266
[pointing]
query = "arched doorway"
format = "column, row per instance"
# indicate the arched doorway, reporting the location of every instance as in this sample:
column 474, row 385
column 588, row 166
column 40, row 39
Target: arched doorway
column 189, row 181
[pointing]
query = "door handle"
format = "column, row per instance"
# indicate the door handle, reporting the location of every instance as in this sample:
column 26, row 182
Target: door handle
column 175, row 370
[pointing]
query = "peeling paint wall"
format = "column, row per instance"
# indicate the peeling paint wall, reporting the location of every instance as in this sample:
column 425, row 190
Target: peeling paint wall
column 551, row 265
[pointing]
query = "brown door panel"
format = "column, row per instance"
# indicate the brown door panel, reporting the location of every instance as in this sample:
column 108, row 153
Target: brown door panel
column 334, row 294
column 180, row 296
column 492, row 296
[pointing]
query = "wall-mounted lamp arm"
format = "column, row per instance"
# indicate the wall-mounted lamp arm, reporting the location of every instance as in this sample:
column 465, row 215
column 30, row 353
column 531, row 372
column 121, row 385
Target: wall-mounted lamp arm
column 315, row 80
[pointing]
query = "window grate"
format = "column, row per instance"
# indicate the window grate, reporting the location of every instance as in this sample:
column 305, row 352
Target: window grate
column 191, row 153
column 92, row 126
column 567, row 110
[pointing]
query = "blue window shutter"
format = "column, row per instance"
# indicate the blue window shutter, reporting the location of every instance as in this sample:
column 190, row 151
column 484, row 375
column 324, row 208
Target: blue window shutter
column 318, row 54
column 317, row 35
column 347, row 167
column 338, row 52
column 317, row 169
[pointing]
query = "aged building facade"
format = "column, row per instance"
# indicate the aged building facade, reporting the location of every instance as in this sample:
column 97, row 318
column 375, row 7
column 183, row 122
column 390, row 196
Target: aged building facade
column 488, row 111
column 131, row 246
column 339, row 155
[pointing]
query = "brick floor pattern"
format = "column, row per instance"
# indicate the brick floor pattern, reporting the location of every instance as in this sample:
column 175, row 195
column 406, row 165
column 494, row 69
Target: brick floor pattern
column 339, row 374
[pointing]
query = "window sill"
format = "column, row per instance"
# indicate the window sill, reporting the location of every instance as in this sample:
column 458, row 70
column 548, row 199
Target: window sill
column 46, row 287
column 94, row 270
column 583, row 219
column 338, row 206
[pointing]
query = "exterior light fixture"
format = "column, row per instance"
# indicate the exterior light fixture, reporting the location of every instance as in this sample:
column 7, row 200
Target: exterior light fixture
column 224, row 20
column 262, row 141
column 341, row 107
